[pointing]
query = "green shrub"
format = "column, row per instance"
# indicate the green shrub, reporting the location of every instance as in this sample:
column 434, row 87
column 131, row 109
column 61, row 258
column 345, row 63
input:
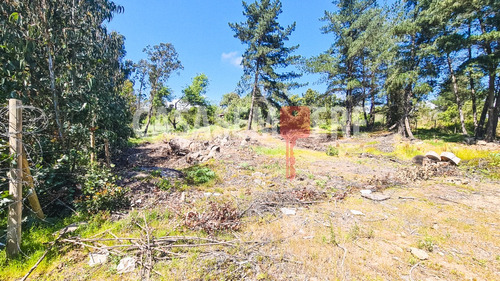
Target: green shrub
column 332, row 151
column 99, row 192
column 199, row 175
column 164, row 184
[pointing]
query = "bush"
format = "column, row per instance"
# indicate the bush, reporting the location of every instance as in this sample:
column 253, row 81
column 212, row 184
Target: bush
column 199, row 175
column 99, row 192
column 332, row 151
column 164, row 184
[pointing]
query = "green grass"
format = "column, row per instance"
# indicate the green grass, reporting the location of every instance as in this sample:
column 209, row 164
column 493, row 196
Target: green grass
column 34, row 241
column 429, row 134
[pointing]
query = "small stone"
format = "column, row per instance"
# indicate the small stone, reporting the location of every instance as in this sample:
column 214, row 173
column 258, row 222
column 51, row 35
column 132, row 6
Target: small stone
column 420, row 254
column 126, row 265
column 481, row 142
column 258, row 181
column 365, row 191
column 357, row 213
column 435, row 226
column 376, row 196
column 288, row 212
column 210, row 194
column 441, row 254
column 96, row 258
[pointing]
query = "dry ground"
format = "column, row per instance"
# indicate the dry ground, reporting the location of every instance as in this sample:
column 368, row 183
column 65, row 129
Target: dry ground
column 335, row 233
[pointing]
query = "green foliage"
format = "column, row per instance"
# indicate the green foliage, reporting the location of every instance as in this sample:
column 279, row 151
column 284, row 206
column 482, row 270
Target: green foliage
column 332, row 151
column 199, row 175
column 426, row 244
column 99, row 192
column 266, row 51
column 164, row 184
column 194, row 94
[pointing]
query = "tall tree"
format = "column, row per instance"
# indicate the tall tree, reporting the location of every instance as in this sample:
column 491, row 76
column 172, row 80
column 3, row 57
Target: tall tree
column 162, row 61
column 411, row 75
column 140, row 76
column 266, row 51
column 350, row 64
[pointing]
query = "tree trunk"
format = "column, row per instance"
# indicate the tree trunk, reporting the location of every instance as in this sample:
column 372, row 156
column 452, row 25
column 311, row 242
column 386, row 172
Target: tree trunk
column 488, row 105
column 472, row 89
column 51, row 72
column 407, row 110
column 254, row 93
column 54, row 95
column 349, row 107
column 491, row 128
column 457, row 97
column 371, row 123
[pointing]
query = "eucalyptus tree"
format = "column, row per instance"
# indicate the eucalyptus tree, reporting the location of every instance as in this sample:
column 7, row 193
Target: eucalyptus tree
column 162, row 61
column 141, row 76
column 266, row 51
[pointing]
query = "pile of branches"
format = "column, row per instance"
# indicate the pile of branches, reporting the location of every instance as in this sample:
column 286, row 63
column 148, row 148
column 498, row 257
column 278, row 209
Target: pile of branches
column 218, row 217
column 269, row 202
column 427, row 170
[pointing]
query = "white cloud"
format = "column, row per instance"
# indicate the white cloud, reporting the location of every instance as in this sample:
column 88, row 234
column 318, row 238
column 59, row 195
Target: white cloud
column 232, row 58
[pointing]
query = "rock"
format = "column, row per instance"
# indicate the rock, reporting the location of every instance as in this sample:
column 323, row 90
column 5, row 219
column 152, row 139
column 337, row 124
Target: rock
column 70, row 228
column 193, row 157
column 210, row 194
column 288, row 212
column 481, row 142
column 419, row 159
column 376, row 196
column 126, row 265
column 420, row 254
column 98, row 258
column 180, row 146
column 224, row 141
column 357, row 213
column 365, row 191
column 243, row 143
column 258, row 181
column 450, row 157
column 469, row 140
column 247, row 138
column 433, row 156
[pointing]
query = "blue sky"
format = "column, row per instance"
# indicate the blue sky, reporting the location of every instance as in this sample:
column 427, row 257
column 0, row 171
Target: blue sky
column 200, row 33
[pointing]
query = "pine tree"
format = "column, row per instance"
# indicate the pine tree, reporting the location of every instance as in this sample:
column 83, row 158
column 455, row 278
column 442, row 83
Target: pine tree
column 350, row 62
column 266, row 51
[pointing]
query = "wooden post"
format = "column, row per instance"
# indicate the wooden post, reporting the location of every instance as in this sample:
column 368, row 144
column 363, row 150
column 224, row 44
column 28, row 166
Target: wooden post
column 32, row 197
column 15, row 178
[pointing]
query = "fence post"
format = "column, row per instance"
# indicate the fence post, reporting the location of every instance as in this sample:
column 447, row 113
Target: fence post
column 15, row 178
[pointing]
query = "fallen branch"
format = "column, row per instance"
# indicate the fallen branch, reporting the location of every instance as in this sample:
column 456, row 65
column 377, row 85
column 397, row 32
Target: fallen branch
column 412, row 268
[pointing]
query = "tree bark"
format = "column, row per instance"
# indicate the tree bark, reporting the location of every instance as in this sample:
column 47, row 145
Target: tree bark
column 457, row 97
column 254, row 93
column 349, row 107
column 407, row 110
column 488, row 106
column 150, row 112
column 491, row 128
